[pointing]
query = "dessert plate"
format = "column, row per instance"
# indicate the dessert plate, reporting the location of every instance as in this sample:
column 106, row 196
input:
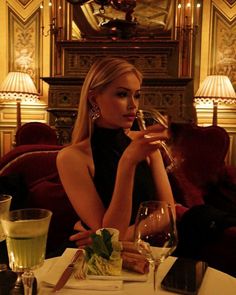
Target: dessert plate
column 125, row 276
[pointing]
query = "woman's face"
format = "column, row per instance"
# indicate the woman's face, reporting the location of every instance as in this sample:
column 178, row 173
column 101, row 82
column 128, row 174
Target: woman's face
column 119, row 102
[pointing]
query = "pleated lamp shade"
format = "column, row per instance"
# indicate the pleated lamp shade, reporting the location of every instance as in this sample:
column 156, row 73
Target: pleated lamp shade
column 216, row 89
column 18, row 86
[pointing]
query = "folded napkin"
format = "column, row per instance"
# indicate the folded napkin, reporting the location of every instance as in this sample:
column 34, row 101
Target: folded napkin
column 51, row 277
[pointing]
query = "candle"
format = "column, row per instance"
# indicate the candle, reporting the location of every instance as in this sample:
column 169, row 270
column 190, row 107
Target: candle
column 198, row 14
column 42, row 15
column 60, row 15
column 50, row 11
column 188, row 13
column 179, row 15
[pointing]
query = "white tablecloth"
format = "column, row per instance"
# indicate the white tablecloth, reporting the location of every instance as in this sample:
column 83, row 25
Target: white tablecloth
column 214, row 283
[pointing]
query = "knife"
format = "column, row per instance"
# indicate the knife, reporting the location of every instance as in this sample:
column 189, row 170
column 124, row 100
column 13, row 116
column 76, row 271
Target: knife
column 68, row 271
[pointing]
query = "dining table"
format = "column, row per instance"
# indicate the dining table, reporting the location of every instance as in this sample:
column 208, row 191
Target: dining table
column 214, row 282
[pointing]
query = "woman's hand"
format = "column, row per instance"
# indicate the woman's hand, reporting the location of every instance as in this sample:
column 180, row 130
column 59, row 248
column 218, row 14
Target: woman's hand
column 144, row 143
column 82, row 238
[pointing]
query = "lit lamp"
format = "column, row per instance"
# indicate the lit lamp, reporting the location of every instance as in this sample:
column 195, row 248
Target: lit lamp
column 215, row 89
column 19, row 87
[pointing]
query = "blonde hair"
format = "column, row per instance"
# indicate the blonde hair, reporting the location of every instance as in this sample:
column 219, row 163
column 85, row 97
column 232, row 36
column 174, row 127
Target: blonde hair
column 102, row 72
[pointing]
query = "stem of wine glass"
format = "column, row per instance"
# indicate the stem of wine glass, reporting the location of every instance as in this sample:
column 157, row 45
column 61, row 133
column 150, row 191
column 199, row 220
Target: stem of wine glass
column 28, row 279
column 155, row 268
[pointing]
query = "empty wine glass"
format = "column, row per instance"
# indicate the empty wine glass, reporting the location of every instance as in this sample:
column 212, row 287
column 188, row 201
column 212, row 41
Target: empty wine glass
column 155, row 233
column 26, row 235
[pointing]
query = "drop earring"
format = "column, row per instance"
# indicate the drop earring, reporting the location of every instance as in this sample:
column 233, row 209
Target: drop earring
column 94, row 112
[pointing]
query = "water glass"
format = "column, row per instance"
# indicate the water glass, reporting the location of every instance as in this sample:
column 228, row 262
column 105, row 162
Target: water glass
column 5, row 202
column 26, row 236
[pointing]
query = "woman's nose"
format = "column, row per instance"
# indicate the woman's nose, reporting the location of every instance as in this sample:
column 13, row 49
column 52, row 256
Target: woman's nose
column 131, row 104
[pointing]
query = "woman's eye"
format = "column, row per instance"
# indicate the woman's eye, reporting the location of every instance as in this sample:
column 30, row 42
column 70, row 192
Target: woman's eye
column 122, row 94
column 137, row 95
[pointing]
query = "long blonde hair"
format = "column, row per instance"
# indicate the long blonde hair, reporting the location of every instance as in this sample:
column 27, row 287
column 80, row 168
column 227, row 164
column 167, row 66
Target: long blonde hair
column 102, row 72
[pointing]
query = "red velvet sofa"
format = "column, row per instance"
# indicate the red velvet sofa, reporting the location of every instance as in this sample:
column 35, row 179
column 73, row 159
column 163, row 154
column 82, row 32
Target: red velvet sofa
column 29, row 173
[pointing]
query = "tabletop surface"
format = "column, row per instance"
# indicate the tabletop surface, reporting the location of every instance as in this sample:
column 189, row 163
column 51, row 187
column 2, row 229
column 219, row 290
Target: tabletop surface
column 214, row 283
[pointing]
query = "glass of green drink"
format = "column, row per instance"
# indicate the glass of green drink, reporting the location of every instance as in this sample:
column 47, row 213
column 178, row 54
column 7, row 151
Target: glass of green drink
column 5, row 202
column 26, row 236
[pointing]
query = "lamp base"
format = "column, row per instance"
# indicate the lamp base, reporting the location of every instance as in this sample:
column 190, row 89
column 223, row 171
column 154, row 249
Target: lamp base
column 215, row 110
column 18, row 114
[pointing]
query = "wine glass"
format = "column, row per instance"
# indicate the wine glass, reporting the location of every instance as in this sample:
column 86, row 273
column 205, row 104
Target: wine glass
column 5, row 202
column 155, row 233
column 26, row 236
column 146, row 117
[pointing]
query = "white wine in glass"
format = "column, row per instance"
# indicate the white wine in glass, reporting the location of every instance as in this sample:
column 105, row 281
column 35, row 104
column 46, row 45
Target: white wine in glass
column 26, row 236
column 155, row 232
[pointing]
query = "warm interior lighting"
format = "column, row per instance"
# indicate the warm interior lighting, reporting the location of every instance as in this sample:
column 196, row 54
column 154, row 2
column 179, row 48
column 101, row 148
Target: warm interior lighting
column 18, row 87
column 215, row 89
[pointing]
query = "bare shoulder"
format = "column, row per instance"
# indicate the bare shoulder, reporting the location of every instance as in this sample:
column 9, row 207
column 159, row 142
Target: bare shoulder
column 75, row 154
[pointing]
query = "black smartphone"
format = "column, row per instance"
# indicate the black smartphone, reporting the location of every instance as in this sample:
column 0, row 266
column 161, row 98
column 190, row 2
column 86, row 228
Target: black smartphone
column 185, row 276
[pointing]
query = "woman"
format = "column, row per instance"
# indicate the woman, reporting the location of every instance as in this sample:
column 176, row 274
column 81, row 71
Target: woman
column 109, row 169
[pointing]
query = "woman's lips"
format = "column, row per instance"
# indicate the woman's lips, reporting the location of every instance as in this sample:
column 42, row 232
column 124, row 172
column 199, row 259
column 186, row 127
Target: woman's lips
column 130, row 117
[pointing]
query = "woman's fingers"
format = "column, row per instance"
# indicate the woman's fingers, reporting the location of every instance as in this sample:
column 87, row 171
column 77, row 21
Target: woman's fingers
column 82, row 239
column 79, row 227
column 83, row 243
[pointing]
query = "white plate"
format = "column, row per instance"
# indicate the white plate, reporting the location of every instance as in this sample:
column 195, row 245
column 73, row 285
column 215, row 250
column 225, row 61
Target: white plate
column 125, row 276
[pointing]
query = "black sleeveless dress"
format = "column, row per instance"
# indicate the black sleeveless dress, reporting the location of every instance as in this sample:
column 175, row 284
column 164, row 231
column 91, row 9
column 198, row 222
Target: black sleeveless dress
column 107, row 148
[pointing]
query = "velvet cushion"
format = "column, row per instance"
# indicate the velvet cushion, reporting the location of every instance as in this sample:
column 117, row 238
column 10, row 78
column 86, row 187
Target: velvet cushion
column 185, row 192
column 31, row 164
column 200, row 152
column 35, row 133
column 48, row 193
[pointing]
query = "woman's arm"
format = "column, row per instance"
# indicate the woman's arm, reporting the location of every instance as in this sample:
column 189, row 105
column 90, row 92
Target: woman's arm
column 76, row 172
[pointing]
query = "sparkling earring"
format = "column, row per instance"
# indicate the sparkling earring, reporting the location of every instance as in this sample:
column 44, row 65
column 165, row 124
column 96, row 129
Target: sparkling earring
column 94, row 112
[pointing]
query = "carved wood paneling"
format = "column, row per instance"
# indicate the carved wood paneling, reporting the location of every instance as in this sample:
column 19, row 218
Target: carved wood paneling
column 154, row 58
column 157, row 60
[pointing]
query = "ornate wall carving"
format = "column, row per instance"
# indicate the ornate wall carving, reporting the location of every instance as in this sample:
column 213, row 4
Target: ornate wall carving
column 24, row 2
column 230, row 2
column 223, row 46
column 24, row 48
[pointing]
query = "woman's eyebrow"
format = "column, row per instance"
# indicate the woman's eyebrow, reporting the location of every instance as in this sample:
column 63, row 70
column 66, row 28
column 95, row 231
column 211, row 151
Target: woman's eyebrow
column 127, row 89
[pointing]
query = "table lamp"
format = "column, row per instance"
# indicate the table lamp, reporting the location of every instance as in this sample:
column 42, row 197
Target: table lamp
column 215, row 89
column 18, row 86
